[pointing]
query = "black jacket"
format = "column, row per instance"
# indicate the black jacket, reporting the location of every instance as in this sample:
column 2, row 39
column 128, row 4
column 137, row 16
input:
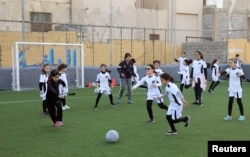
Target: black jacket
column 126, row 69
column 53, row 90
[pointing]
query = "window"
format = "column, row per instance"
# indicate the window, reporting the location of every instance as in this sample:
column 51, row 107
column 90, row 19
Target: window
column 154, row 36
column 151, row 4
column 41, row 22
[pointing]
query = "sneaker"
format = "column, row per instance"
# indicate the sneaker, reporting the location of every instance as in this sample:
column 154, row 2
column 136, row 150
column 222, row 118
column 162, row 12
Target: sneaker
column 150, row 121
column 171, row 132
column 187, row 86
column 241, row 118
column 95, row 108
column 195, row 103
column 200, row 104
column 64, row 108
column 58, row 123
column 228, row 117
column 130, row 102
column 118, row 101
column 112, row 105
column 187, row 121
column 67, row 107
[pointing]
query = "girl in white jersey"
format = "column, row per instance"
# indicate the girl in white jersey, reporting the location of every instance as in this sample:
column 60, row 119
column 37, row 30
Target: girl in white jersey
column 43, row 87
column 157, row 65
column 185, row 79
column 177, row 102
column 198, row 77
column 215, row 75
column 236, row 75
column 62, row 68
column 103, row 81
column 180, row 60
column 153, row 90
column 135, row 78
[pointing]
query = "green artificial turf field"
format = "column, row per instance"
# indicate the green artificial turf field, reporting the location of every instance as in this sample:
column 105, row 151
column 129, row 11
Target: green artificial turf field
column 25, row 133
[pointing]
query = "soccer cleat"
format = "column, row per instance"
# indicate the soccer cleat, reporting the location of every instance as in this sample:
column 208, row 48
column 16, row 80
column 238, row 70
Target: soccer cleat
column 171, row 132
column 187, row 121
column 150, row 121
column 95, row 108
column 228, row 117
column 241, row 118
column 130, row 102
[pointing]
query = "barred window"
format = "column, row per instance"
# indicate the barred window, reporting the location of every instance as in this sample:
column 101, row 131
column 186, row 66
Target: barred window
column 41, row 22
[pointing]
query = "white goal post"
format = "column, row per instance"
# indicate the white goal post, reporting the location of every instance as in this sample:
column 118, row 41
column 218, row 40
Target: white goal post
column 29, row 57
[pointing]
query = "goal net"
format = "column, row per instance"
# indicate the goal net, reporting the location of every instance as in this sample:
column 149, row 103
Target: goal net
column 28, row 59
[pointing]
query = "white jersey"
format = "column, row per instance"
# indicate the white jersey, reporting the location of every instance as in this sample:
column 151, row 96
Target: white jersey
column 181, row 65
column 215, row 72
column 104, row 79
column 63, row 90
column 158, row 71
column 175, row 98
column 43, row 79
column 137, row 78
column 174, row 94
column 198, row 67
column 235, row 84
column 152, row 91
column 238, row 62
column 186, row 75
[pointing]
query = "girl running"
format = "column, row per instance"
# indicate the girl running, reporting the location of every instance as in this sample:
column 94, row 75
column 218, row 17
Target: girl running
column 153, row 90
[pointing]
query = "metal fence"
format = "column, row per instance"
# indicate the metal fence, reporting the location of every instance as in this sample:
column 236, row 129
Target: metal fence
column 146, row 44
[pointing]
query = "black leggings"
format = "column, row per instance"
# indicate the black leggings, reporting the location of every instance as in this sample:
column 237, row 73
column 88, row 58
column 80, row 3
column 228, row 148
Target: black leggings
column 149, row 108
column 55, row 111
column 198, row 91
column 213, row 85
column 230, row 106
column 171, row 121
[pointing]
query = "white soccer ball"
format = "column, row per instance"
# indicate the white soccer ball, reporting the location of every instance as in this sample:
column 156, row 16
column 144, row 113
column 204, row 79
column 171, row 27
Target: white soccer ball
column 93, row 84
column 96, row 90
column 112, row 136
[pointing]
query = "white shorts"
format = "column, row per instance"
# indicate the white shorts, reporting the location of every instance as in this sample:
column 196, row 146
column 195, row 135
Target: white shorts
column 215, row 78
column 106, row 92
column 155, row 98
column 175, row 112
column 235, row 94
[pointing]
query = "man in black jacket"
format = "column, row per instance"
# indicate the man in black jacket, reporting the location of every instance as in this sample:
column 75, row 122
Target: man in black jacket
column 126, row 72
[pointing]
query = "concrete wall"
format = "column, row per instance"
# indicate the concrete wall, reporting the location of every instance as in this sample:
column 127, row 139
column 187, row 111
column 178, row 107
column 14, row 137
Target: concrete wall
column 210, row 50
column 223, row 24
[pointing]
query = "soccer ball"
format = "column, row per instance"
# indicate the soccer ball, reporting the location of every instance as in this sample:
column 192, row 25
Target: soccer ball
column 112, row 136
column 93, row 84
column 96, row 90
